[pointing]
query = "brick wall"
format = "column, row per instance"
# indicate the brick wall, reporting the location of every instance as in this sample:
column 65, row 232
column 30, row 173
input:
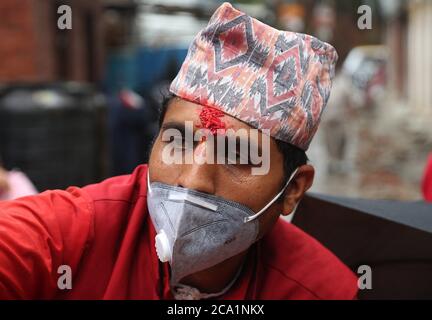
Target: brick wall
column 18, row 43
column 31, row 44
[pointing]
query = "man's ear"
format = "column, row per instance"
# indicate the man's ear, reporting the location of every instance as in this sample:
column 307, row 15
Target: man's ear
column 301, row 183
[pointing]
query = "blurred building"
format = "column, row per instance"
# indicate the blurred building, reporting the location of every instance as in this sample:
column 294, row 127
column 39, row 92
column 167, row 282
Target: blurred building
column 410, row 44
column 420, row 56
column 34, row 49
column 52, row 121
column 334, row 21
column 119, row 22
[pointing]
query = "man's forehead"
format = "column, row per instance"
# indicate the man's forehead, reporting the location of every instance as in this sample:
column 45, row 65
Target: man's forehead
column 180, row 110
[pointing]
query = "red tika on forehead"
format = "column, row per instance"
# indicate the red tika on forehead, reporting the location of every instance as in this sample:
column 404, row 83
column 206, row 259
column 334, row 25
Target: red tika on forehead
column 211, row 119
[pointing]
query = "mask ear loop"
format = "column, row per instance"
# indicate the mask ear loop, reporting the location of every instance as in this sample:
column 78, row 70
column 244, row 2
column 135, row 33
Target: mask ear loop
column 148, row 182
column 256, row 215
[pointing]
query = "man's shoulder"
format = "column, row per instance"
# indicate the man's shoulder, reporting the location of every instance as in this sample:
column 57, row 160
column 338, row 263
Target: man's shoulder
column 294, row 257
column 125, row 188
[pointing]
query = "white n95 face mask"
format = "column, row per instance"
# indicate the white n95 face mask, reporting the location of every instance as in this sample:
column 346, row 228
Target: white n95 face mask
column 196, row 231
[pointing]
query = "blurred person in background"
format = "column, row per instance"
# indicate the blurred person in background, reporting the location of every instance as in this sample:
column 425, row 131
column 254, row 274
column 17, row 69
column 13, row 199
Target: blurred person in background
column 4, row 183
column 357, row 90
column 133, row 126
column 133, row 121
column 427, row 180
column 14, row 184
column 336, row 125
column 194, row 231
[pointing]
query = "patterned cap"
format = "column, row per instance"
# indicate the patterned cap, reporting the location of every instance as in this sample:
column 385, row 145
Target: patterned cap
column 270, row 79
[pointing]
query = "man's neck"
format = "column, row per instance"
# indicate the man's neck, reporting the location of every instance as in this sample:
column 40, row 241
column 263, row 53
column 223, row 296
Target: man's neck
column 216, row 278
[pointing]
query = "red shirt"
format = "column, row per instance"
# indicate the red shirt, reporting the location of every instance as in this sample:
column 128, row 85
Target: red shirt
column 104, row 233
column 427, row 180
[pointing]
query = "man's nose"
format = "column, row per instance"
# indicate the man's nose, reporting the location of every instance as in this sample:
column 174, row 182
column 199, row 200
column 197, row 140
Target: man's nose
column 198, row 175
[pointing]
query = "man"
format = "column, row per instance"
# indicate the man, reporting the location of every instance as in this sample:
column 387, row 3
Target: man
column 426, row 184
column 14, row 184
column 335, row 123
column 4, row 183
column 195, row 229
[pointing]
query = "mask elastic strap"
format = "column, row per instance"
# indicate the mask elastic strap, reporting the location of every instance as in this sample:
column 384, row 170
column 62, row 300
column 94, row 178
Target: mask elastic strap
column 256, row 215
column 148, row 182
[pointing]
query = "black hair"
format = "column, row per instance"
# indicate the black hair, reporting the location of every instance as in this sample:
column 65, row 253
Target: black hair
column 294, row 157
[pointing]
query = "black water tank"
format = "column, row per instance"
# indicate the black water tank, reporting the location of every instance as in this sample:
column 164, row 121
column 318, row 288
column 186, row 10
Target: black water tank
column 55, row 133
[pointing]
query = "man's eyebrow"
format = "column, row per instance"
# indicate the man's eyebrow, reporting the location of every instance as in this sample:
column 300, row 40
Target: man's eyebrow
column 174, row 125
column 256, row 145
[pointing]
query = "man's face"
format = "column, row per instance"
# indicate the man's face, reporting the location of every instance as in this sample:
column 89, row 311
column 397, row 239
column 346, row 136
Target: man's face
column 229, row 181
column 4, row 184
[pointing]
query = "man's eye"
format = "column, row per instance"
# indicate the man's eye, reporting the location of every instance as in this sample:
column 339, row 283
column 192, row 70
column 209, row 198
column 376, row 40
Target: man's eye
column 178, row 143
